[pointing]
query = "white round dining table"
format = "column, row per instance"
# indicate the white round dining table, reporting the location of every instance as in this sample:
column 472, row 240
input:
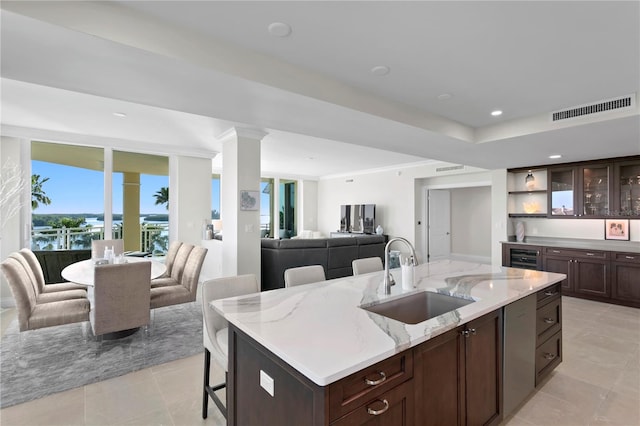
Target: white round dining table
column 82, row 272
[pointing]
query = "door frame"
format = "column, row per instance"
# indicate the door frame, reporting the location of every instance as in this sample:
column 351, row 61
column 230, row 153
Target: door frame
column 425, row 206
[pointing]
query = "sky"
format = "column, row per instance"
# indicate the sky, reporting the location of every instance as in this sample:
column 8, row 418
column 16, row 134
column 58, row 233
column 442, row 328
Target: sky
column 78, row 190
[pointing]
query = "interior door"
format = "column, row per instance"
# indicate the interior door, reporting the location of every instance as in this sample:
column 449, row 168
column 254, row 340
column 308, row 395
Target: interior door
column 439, row 226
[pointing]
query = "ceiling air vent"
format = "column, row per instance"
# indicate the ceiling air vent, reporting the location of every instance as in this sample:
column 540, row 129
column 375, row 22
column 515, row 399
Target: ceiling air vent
column 449, row 168
column 608, row 105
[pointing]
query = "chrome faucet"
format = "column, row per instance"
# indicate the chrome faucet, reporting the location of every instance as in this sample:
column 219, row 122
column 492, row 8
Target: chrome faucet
column 388, row 280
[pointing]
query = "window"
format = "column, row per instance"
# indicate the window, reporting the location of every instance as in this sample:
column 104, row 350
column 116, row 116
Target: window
column 141, row 197
column 215, row 196
column 288, row 208
column 67, row 196
column 266, row 207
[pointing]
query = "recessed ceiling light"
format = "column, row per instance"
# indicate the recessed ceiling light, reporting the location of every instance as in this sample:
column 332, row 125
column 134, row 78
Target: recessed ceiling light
column 496, row 113
column 120, row 114
column 554, row 156
column 380, row 70
column 279, row 29
column 445, row 96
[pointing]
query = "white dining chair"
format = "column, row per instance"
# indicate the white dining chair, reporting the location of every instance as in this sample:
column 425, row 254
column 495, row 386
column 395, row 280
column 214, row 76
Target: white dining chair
column 215, row 330
column 303, row 275
column 120, row 297
column 366, row 265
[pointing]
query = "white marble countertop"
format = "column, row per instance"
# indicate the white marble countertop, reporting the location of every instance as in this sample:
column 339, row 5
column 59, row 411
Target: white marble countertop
column 321, row 331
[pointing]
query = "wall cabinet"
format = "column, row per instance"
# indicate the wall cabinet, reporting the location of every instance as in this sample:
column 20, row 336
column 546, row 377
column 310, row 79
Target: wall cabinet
column 626, row 194
column 458, row 375
column 595, row 189
column 581, row 190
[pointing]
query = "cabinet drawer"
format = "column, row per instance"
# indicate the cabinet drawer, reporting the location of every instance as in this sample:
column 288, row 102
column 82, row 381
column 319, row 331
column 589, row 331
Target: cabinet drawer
column 365, row 385
column 548, row 356
column 549, row 320
column 392, row 408
column 627, row 257
column 549, row 294
column 576, row 253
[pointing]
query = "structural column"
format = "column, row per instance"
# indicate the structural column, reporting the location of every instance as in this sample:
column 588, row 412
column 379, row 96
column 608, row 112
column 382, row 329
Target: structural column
column 131, row 211
column 240, row 201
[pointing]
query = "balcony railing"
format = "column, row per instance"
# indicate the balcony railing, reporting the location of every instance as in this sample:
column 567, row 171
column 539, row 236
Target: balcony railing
column 154, row 237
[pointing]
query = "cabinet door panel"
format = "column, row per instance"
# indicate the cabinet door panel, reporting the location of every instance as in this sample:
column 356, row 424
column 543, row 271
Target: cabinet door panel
column 626, row 284
column 438, row 380
column 484, row 370
column 595, row 189
column 592, row 278
column 559, row 265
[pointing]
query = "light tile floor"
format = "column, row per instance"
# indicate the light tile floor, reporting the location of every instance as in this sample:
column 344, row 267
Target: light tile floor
column 598, row 383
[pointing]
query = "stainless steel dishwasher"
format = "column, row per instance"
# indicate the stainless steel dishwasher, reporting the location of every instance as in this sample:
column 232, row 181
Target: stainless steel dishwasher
column 519, row 370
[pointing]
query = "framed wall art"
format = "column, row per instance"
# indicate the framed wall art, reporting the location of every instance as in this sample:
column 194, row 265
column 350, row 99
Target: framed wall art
column 616, row 229
column 249, row 200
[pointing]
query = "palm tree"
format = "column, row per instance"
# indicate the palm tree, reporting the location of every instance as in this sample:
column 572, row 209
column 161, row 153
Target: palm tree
column 38, row 196
column 162, row 196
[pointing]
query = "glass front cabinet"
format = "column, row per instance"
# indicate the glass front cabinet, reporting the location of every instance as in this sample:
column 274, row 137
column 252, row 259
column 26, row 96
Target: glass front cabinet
column 562, row 192
column 627, row 189
column 595, row 190
column 599, row 189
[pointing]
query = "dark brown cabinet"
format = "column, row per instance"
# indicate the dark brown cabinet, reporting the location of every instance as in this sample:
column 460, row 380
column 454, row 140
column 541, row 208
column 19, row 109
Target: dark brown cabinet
column 606, row 276
column 582, row 190
column 625, row 278
column 371, row 393
column 626, row 192
column 563, row 196
column 464, row 367
column 548, row 331
column 587, row 270
column 454, row 378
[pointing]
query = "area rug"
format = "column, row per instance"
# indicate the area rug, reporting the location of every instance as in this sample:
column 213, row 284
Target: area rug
column 56, row 359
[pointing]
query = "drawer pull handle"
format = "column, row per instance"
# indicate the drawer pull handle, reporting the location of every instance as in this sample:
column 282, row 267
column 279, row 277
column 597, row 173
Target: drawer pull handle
column 378, row 412
column 590, row 254
column 549, row 356
column 630, row 257
column 550, row 293
column 549, row 320
column 382, row 378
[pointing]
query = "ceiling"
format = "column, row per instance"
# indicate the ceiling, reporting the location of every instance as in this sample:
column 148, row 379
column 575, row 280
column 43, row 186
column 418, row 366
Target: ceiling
column 185, row 72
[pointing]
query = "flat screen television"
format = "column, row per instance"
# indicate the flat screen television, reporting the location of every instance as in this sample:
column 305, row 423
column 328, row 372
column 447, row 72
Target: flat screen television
column 358, row 218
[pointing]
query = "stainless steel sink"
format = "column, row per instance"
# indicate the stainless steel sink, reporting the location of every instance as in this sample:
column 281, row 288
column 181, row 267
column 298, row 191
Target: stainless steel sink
column 418, row 307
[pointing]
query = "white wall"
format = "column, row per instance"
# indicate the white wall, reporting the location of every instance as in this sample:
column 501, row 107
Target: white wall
column 590, row 229
column 10, row 219
column 471, row 221
column 308, row 212
column 398, row 195
column 190, row 197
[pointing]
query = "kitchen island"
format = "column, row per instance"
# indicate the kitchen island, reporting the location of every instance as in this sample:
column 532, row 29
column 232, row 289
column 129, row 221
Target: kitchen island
column 312, row 355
